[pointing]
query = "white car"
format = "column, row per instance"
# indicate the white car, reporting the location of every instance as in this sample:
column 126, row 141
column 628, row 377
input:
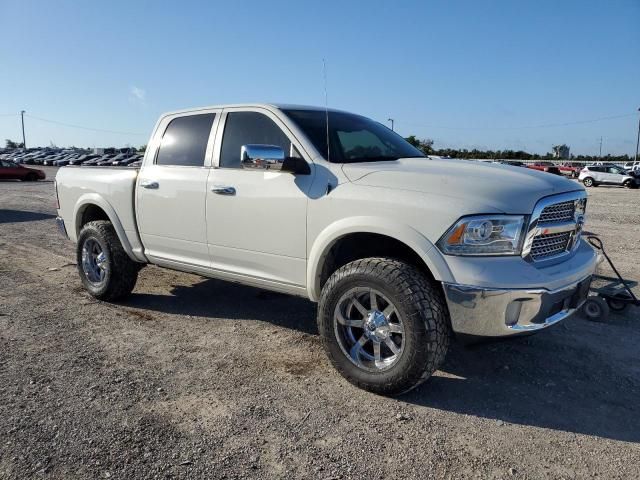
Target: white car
column 594, row 175
column 632, row 166
column 400, row 251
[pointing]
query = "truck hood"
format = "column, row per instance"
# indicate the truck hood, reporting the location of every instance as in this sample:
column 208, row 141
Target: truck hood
column 503, row 187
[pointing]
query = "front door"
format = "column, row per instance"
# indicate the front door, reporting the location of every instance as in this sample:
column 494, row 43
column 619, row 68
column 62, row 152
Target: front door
column 172, row 189
column 257, row 219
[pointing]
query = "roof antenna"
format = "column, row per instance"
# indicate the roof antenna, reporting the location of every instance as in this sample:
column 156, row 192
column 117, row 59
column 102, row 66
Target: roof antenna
column 326, row 105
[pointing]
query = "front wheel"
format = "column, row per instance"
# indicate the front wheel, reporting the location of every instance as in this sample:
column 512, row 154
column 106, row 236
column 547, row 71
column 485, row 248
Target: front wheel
column 105, row 269
column 30, row 177
column 588, row 182
column 630, row 184
column 384, row 325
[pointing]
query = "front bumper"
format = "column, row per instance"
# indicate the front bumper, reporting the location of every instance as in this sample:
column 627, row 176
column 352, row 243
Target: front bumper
column 486, row 312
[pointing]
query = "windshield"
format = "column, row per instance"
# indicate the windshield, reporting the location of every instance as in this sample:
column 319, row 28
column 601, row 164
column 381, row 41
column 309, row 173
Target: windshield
column 352, row 138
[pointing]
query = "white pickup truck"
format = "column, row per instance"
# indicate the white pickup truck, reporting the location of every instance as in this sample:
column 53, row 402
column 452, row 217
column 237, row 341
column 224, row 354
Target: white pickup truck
column 401, row 251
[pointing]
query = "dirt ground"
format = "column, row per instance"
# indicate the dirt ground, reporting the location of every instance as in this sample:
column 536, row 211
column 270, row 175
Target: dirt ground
column 196, row 378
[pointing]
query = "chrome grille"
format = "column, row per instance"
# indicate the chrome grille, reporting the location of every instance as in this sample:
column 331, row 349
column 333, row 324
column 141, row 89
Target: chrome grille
column 555, row 227
column 549, row 245
column 559, row 212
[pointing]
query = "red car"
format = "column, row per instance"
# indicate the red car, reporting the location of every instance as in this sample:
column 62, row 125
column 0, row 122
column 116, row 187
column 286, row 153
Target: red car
column 571, row 169
column 545, row 167
column 12, row 171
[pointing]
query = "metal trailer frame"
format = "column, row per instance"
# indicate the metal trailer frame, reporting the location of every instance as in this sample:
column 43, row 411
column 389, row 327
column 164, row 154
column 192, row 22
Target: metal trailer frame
column 609, row 293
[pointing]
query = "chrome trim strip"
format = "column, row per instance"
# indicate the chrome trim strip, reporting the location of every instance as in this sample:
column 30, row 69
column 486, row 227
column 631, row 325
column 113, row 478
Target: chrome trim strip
column 533, row 230
column 559, row 227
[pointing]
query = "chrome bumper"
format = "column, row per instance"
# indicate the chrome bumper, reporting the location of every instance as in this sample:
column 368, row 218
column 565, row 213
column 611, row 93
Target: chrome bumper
column 61, row 228
column 483, row 312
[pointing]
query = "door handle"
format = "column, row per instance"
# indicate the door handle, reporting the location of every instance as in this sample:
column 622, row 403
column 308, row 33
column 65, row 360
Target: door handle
column 151, row 184
column 223, row 190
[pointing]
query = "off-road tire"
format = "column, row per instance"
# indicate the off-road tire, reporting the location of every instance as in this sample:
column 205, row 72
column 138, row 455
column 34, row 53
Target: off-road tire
column 121, row 273
column 589, row 182
column 425, row 316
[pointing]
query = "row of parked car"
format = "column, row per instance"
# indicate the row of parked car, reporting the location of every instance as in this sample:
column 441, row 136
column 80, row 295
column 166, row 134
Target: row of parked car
column 570, row 169
column 60, row 158
column 601, row 173
column 590, row 175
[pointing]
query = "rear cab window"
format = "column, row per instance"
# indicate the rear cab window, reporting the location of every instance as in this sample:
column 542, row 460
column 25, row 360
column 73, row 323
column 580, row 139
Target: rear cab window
column 184, row 142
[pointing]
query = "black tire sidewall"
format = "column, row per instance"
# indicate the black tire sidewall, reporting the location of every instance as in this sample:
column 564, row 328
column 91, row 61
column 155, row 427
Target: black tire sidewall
column 420, row 344
column 409, row 322
column 87, row 233
column 588, row 182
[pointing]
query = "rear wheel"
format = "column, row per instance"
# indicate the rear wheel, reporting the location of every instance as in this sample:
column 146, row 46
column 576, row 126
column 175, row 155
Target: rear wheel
column 619, row 302
column 105, row 269
column 384, row 325
column 588, row 182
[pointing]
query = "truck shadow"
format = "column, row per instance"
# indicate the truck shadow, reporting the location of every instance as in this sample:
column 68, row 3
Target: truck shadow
column 216, row 298
column 548, row 381
column 556, row 379
column 15, row 216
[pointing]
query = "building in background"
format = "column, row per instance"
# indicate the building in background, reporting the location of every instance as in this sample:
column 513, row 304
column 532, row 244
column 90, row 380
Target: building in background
column 561, row 151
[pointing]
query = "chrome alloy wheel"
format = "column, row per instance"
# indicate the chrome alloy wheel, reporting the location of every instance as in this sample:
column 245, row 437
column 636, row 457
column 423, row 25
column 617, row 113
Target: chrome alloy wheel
column 94, row 261
column 369, row 329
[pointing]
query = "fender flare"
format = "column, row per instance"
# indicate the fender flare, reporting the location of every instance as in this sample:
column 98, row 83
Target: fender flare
column 431, row 256
column 95, row 199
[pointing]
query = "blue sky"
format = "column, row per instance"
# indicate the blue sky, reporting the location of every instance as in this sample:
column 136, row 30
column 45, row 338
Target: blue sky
column 465, row 73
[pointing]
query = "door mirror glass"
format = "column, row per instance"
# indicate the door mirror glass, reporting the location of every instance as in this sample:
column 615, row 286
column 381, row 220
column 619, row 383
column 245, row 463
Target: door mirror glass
column 262, row 157
column 271, row 157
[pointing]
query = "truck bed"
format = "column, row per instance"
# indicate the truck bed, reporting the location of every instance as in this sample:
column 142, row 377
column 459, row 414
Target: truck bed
column 111, row 188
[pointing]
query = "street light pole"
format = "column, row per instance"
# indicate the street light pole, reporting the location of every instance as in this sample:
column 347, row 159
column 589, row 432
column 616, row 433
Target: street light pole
column 391, row 120
column 24, row 141
column 600, row 148
column 638, row 140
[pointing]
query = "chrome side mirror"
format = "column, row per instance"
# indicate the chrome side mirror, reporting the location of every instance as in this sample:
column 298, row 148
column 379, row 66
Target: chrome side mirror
column 262, row 157
column 272, row 157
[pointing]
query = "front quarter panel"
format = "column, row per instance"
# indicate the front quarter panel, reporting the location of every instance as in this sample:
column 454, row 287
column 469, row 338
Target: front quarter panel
column 414, row 218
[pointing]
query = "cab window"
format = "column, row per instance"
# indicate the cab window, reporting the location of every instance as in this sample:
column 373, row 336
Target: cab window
column 245, row 128
column 184, row 142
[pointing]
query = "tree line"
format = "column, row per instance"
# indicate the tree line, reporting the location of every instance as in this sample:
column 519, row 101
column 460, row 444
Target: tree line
column 426, row 146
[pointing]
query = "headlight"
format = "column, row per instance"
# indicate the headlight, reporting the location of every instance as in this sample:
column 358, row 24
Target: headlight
column 484, row 235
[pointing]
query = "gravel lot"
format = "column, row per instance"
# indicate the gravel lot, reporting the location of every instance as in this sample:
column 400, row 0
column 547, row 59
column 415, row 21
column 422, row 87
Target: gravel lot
column 195, row 378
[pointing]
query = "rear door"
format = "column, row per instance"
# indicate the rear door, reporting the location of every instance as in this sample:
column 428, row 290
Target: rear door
column 172, row 187
column 597, row 173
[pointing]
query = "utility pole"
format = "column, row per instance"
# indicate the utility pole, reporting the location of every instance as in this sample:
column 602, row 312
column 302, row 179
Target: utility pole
column 24, row 141
column 391, row 120
column 600, row 148
column 637, row 141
